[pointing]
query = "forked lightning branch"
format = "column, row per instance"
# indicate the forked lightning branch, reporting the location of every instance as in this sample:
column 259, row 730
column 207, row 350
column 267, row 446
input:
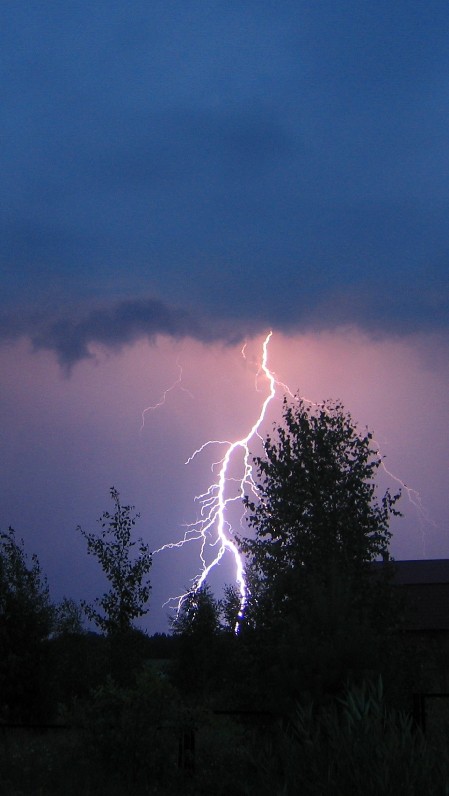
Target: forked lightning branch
column 213, row 530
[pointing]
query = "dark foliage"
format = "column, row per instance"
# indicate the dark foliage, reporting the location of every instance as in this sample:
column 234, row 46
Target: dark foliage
column 77, row 663
column 269, row 706
column 315, row 612
column 26, row 618
column 132, row 731
column 161, row 646
column 351, row 746
column 197, row 630
column 130, row 587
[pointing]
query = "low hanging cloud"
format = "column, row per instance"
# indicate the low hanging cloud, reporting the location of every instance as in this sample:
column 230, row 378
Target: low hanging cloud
column 298, row 183
column 72, row 335
column 72, row 332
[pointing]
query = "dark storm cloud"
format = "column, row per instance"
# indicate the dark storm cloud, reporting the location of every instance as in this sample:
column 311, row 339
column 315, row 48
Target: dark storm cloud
column 71, row 336
column 261, row 162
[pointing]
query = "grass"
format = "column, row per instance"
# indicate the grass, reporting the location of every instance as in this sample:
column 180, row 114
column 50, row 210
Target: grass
column 54, row 762
column 353, row 745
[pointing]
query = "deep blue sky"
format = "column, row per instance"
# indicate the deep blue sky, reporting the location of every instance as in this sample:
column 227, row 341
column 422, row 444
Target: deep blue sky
column 274, row 163
column 208, row 170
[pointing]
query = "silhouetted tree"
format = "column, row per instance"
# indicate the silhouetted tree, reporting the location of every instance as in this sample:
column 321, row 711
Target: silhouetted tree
column 198, row 615
column 197, row 629
column 77, row 663
column 318, row 527
column 68, row 618
column 230, row 608
column 128, row 596
column 26, row 619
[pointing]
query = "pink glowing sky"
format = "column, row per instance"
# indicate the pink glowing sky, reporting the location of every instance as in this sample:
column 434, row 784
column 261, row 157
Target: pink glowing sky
column 67, row 438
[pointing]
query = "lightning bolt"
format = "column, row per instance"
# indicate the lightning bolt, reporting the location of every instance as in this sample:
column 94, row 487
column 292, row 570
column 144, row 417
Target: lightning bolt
column 214, row 529
column 163, row 398
column 414, row 498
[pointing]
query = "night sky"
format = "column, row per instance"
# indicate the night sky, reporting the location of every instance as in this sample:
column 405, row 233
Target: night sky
column 177, row 179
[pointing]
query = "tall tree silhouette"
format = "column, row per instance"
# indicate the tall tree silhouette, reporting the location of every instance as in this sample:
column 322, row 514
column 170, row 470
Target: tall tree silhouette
column 129, row 594
column 26, row 620
column 318, row 526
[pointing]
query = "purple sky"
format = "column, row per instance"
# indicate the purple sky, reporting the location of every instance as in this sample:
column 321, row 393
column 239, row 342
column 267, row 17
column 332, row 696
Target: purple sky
column 178, row 178
column 66, row 440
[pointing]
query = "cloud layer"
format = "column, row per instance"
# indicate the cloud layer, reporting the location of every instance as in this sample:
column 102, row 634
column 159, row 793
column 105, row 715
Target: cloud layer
column 72, row 336
column 249, row 164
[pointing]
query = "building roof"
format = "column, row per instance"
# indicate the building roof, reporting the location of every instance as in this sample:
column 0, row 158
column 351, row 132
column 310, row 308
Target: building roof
column 422, row 571
column 426, row 585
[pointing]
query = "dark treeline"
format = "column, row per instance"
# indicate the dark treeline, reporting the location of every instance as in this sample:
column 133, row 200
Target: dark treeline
column 308, row 690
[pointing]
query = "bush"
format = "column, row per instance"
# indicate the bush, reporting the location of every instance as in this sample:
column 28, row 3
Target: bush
column 354, row 746
column 26, row 617
column 133, row 732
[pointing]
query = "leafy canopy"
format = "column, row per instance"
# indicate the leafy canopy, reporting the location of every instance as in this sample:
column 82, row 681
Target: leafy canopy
column 25, row 608
column 198, row 615
column 26, row 621
column 317, row 511
column 128, row 596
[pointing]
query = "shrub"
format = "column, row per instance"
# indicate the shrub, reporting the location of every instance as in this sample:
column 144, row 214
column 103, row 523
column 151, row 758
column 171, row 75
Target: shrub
column 133, row 732
column 353, row 746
